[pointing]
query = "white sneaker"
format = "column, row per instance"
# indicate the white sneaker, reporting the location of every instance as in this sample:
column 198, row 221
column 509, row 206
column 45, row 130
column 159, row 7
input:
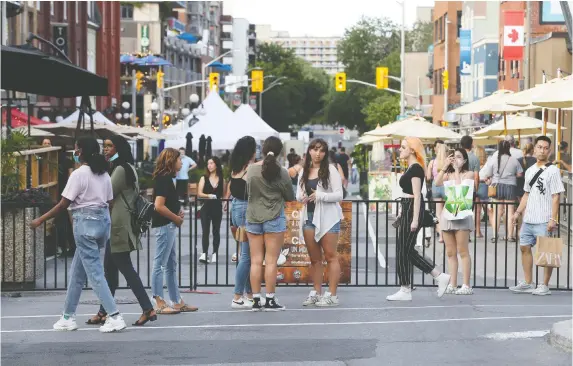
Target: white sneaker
column 66, row 324
column 450, row 290
column 113, row 324
column 404, row 294
column 443, row 281
column 327, row 301
column 214, row 258
column 311, row 300
column 541, row 290
column 203, row 258
column 464, row 290
column 522, row 288
column 242, row 303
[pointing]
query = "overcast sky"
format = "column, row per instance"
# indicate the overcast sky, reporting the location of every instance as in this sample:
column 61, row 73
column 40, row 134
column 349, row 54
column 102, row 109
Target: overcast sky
column 318, row 17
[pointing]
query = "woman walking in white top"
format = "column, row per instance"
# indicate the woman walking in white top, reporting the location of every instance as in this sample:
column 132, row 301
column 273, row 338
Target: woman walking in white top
column 320, row 189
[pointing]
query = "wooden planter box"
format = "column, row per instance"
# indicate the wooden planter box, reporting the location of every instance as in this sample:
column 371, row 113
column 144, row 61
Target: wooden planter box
column 22, row 248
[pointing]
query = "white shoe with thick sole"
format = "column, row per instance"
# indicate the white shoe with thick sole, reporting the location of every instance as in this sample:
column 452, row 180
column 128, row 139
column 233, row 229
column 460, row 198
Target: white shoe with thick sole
column 113, row 324
column 443, row 281
column 404, row 294
column 66, row 324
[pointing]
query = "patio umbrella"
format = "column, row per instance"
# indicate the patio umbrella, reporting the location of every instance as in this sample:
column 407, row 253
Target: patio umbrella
column 526, row 97
column 100, row 130
column 151, row 61
column 188, row 37
column 557, row 95
column 189, row 144
column 127, row 59
column 34, row 132
column 208, row 149
column 46, row 74
column 517, row 124
column 202, row 145
column 414, row 127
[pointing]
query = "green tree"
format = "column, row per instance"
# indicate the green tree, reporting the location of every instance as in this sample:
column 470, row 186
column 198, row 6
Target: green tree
column 381, row 110
column 420, row 37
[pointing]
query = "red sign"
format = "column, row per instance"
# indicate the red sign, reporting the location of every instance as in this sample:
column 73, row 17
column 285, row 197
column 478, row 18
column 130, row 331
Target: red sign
column 341, row 130
column 513, row 35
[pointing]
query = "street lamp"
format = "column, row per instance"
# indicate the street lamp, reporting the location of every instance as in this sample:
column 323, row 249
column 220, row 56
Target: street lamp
column 59, row 119
column 185, row 112
column 125, row 105
column 272, row 85
column 46, row 119
column 118, row 116
column 194, row 98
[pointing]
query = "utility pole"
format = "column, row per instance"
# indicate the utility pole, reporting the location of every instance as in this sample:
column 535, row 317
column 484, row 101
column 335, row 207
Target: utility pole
column 527, row 80
column 402, row 59
column 446, row 65
column 133, row 97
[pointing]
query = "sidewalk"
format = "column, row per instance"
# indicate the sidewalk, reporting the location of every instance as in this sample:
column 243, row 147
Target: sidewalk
column 560, row 335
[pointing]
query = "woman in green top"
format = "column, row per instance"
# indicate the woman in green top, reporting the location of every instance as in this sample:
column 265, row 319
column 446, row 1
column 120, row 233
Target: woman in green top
column 122, row 240
column 268, row 187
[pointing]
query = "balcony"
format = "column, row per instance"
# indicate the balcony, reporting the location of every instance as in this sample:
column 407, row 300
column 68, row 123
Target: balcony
column 226, row 36
column 226, row 19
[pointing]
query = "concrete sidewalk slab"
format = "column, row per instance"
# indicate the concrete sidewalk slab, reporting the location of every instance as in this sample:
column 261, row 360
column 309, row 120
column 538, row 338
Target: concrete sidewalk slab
column 560, row 335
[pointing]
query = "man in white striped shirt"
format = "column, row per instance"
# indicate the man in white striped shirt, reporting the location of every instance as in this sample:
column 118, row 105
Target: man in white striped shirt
column 541, row 206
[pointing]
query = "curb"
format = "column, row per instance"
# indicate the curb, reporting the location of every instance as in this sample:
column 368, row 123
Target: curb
column 560, row 335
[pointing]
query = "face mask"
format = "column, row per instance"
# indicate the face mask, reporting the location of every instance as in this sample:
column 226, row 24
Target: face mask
column 459, row 163
column 115, row 156
column 76, row 159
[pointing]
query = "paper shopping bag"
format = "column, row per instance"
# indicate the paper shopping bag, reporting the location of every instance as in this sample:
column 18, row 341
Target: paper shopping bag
column 548, row 252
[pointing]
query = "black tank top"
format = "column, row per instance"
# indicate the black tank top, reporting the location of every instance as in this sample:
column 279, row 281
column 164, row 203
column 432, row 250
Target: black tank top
column 239, row 188
column 208, row 189
column 310, row 185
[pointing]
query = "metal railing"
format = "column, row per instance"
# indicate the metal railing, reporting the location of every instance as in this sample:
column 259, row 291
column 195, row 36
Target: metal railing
column 30, row 260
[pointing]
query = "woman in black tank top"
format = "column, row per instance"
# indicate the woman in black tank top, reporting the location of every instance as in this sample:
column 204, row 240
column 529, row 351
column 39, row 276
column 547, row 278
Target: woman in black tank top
column 243, row 155
column 211, row 191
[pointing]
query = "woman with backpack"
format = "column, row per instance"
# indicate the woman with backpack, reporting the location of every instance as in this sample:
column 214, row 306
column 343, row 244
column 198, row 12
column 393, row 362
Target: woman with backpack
column 123, row 240
column 88, row 194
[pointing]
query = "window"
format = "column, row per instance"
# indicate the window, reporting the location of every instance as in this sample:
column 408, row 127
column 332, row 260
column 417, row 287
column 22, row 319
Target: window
column 38, row 5
column 435, row 31
column 77, row 6
column 459, row 20
column 458, row 79
column 444, row 26
column 127, row 11
column 91, row 9
column 440, row 29
column 52, row 7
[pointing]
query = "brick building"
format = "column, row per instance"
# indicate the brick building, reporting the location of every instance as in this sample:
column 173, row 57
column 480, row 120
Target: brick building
column 452, row 11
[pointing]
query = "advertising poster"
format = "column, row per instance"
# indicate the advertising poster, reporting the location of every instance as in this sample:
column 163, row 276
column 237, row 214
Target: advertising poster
column 383, row 186
column 465, row 51
column 294, row 262
column 459, row 199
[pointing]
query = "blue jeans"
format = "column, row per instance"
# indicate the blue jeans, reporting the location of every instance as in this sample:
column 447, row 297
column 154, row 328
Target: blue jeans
column 165, row 261
column 91, row 232
column 308, row 225
column 530, row 232
column 243, row 273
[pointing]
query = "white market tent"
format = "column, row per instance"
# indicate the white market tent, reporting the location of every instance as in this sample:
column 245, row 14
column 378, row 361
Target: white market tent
column 98, row 117
column 216, row 123
column 251, row 124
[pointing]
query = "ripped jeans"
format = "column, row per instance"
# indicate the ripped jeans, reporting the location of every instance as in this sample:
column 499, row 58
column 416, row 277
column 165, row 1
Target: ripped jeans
column 91, row 233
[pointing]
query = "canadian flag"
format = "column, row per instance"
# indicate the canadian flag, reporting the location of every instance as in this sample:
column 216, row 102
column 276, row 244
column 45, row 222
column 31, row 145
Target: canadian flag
column 513, row 35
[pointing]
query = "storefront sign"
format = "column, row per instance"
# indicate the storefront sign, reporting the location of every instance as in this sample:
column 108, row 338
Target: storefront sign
column 60, row 37
column 145, row 38
column 465, row 51
column 294, row 262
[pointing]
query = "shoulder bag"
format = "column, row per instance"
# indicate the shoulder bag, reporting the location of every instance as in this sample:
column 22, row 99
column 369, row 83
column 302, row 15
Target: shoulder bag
column 492, row 189
column 240, row 232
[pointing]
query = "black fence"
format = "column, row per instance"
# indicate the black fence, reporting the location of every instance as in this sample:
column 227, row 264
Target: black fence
column 40, row 259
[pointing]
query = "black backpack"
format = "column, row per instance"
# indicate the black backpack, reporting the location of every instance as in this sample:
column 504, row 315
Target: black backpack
column 141, row 212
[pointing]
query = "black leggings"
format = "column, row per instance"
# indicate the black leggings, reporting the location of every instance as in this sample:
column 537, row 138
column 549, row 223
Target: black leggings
column 114, row 263
column 214, row 215
column 406, row 254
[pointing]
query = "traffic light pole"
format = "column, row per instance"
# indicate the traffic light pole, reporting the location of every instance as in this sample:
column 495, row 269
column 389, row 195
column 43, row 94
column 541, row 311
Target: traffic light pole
column 388, row 89
column 133, row 97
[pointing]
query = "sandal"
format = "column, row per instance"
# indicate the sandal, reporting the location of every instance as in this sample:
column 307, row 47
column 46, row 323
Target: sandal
column 464, row 290
column 149, row 315
column 97, row 319
column 184, row 308
column 167, row 310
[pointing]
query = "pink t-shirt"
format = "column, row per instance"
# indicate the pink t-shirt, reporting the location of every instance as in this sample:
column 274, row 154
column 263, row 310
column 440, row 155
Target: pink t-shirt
column 86, row 189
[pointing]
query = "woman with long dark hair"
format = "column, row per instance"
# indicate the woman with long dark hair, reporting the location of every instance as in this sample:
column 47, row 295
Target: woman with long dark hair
column 243, row 155
column 320, row 189
column 167, row 217
column 410, row 223
column 88, row 193
column 456, row 233
column 502, row 173
column 269, row 187
column 125, row 185
column 210, row 189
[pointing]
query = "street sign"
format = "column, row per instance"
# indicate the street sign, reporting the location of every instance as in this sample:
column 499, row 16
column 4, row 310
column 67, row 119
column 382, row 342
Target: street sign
column 253, row 101
column 237, row 98
column 145, row 38
column 341, row 130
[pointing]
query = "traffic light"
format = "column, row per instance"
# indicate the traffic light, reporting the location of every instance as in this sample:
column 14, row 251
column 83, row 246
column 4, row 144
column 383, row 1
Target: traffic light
column 445, row 79
column 139, row 82
column 257, row 81
column 340, row 81
column 381, row 77
column 160, row 75
column 444, row 123
column 213, row 81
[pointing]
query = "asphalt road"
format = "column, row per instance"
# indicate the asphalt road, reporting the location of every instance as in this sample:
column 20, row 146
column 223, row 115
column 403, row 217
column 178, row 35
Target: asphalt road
column 491, row 327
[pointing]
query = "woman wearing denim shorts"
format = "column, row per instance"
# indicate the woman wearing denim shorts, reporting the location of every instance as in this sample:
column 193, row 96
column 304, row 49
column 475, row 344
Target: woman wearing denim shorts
column 269, row 186
column 243, row 155
column 88, row 194
column 320, row 189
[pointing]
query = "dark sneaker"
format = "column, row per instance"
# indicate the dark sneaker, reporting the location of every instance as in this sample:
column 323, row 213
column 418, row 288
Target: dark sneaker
column 257, row 306
column 273, row 305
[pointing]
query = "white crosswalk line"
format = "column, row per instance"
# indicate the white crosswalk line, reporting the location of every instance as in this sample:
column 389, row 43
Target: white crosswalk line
column 517, row 335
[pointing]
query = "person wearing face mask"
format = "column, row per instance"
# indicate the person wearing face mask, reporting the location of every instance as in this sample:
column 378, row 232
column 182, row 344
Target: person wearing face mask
column 117, row 258
column 456, row 233
column 410, row 223
column 88, row 193
column 211, row 190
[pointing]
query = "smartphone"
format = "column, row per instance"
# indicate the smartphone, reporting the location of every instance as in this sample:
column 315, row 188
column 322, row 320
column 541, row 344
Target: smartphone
column 451, row 152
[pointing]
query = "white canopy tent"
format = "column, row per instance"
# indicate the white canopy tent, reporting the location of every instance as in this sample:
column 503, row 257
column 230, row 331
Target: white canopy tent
column 251, row 124
column 98, row 117
column 218, row 122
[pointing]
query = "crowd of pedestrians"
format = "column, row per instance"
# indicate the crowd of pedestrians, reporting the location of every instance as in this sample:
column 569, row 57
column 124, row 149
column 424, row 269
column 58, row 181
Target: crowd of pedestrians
column 101, row 193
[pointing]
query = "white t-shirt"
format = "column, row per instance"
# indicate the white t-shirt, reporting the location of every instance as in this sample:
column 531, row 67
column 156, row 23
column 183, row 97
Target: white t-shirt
column 86, row 189
column 538, row 209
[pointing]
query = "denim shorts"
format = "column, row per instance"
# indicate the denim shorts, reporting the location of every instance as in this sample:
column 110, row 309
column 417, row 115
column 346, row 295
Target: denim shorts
column 276, row 225
column 308, row 225
column 482, row 192
column 529, row 233
column 438, row 192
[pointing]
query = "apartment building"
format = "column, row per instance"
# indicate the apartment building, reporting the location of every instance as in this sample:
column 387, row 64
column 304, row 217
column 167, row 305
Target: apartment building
column 320, row 52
